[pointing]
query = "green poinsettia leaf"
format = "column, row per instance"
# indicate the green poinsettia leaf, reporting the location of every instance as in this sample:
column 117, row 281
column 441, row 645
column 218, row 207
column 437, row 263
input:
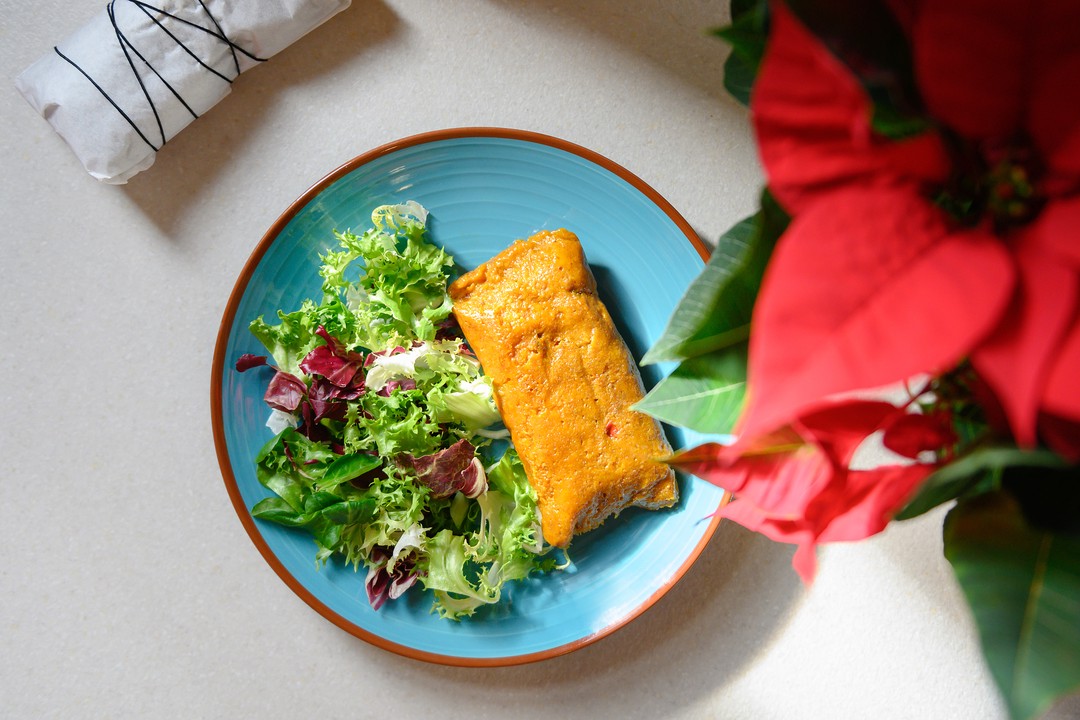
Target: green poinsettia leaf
column 739, row 77
column 714, row 313
column 1023, row 586
column 1049, row 495
column 746, row 34
column 979, row 471
column 704, row 393
column 742, row 7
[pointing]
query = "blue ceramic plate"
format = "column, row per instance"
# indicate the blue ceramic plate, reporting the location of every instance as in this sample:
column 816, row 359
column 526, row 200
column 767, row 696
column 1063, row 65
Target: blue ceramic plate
column 484, row 188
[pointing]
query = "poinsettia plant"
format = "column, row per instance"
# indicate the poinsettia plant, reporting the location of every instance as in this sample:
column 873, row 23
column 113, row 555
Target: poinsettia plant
column 911, row 283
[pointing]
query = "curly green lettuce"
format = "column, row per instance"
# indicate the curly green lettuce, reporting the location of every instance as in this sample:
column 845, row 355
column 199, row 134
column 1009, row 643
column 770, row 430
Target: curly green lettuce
column 384, row 422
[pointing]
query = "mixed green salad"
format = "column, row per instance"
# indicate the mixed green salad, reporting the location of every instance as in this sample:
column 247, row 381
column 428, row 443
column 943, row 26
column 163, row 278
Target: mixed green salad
column 388, row 446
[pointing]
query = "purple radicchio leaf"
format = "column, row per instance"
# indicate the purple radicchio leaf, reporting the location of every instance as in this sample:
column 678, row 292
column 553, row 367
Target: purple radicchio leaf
column 383, row 583
column 296, row 465
column 377, row 583
column 402, row 384
column 285, row 392
column 316, row 431
column 334, row 361
column 403, row 577
column 247, row 361
column 396, row 350
column 328, row 400
column 454, row 469
column 448, row 329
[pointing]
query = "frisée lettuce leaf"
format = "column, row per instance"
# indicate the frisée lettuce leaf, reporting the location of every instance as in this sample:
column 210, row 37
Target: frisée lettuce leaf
column 467, row 572
column 401, row 295
column 383, row 425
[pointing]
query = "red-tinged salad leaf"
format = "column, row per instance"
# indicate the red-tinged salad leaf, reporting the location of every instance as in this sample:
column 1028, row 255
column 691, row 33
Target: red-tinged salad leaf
column 334, row 361
column 327, row 400
column 393, row 571
column 285, row 392
column 384, row 584
column 249, row 360
column 453, row 470
column 383, row 422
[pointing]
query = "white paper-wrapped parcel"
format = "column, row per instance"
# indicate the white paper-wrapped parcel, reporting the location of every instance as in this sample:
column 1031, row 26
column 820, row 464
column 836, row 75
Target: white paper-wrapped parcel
column 139, row 72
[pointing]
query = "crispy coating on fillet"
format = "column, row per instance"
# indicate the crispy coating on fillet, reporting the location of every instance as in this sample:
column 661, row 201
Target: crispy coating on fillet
column 564, row 382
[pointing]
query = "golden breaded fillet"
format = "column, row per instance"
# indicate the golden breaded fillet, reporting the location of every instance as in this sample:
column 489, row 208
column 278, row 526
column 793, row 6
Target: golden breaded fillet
column 564, row 381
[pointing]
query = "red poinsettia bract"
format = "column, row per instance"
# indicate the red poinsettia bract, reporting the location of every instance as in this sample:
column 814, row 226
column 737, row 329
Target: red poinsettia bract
column 798, row 485
column 879, row 278
column 874, row 282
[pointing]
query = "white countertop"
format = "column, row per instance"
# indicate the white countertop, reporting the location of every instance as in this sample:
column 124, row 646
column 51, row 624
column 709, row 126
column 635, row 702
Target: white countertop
column 129, row 586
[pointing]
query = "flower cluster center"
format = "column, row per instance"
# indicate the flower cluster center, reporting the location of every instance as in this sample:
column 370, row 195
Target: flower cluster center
column 1011, row 194
column 1000, row 187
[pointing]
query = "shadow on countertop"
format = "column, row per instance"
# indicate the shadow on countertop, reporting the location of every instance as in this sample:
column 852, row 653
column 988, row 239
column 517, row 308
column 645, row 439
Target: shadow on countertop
column 178, row 181
column 708, row 628
column 676, row 37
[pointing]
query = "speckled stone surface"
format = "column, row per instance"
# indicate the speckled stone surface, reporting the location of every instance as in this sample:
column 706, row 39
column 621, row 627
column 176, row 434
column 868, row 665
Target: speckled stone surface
column 128, row 588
